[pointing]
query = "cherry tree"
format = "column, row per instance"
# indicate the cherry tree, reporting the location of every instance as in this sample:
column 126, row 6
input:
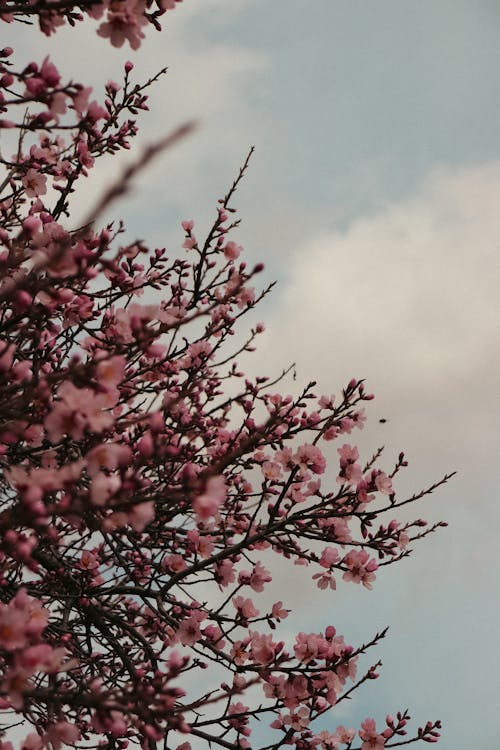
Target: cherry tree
column 148, row 487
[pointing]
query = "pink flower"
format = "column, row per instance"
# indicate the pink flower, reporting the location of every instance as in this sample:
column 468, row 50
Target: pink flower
column 232, row 250
column 201, row 544
column 21, row 619
column 238, row 652
column 34, row 183
column 326, row 740
column 189, row 631
column 329, row 557
column 107, row 456
column 77, row 409
column 348, row 454
column 33, row 741
column 257, row 578
column 245, row 297
column 360, row 568
column 351, row 474
column 62, row 733
column 88, row 561
column 310, row 457
column 326, row 402
column 174, row 563
column 325, row 580
column 12, row 628
column 271, row 470
column 240, row 723
column 102, row 487
column 278, row 612
column 124, row 21
column 224, row 574
column 383, row 483
column 109, row 373
column 245, row 607
column 371, row 739
column 262, row 648
column 310, row 646
column 141, row 515
column 298, row 720
column 344, row 735
column 207, row 504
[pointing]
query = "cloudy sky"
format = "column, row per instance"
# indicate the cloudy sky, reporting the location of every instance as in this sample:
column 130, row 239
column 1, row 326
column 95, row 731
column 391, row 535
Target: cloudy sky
column 373, row 198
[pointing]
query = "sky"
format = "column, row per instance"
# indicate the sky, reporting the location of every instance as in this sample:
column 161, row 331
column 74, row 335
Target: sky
column 372, row 199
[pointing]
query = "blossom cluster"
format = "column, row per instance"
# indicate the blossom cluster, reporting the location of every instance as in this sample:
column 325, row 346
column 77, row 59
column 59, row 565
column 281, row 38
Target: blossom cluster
column 120, row 20
column 147, row 485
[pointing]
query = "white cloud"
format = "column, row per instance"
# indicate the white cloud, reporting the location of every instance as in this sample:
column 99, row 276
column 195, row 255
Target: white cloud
column 407, row 298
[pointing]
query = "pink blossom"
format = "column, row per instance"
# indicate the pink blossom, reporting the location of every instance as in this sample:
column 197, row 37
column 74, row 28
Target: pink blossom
column 189, row 631
column 271, row 470
column 371, row 739
column 278, row 612
column 348, row 454
column 326, row 740
column 88, row 561
column 310, row 457
column 245, row 297
column 225, row 574
column 140, row 515
column 34, row 183
column 383, row 483
column 232, row 250
column 344, row 735
column 257, row 578
column 403, row 540
column 238, row 652
column 298, row 720
column 174, row 563
column 360, row 568
column 201, row 543
column 207, row 504
column 351, row 474
column 245, row 607
column 262, row 648
column 329, row 557
column 77, row 409
column 310, row 646
column 12, row 628
column 326, row 402
column 240, row 723
column 107, row 456
column 103, row 487
column 32, row 741
column 16, row 681
column 325, row 580
column 110, row 372
column 62, row 733
column 124, row 21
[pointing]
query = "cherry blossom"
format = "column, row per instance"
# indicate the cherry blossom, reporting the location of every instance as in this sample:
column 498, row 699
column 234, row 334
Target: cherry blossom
column 150, row 489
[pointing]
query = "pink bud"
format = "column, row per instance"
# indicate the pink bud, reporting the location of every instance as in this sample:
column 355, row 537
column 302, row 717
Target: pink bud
column 145, row 446
column 32, row 224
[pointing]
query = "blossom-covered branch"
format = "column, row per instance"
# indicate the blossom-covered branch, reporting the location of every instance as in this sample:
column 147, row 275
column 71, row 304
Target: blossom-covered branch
column 149, row 489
